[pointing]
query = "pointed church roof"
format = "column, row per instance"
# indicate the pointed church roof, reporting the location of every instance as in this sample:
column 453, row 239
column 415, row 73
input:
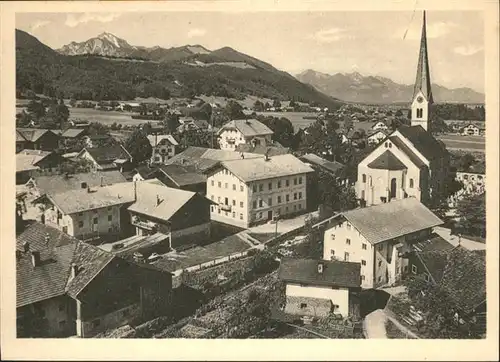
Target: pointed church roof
column 423, row 79
column 387, row 161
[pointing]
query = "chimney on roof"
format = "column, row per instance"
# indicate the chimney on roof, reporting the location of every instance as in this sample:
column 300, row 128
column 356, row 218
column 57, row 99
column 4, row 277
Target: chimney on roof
column 88, row 189
column 242, row 155
column 35, row 258
column 74, row 270
column 26, row 246
column 320, row 268
column 158, row 200
column 266, row 155
column 102, row 181
column 47, row 239
column 84, row 185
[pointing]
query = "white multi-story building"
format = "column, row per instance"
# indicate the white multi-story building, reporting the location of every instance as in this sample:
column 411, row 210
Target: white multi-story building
column 410, row 162
column 163, row 147
column 377, row 237
column 244, row 131
column 249, row 191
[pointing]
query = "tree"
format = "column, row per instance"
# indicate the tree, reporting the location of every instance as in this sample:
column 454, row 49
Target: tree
column 471, row 214
column 58, row 113
column 282, row 128
column 439, row 310
column 22, row 119
column 171, row 122
column 138, row 146
column 330, row 193
column 75, row 166
column 466, row 161
column 276, row 103
column 36, row 109
column 234, row 110
column 258, row 106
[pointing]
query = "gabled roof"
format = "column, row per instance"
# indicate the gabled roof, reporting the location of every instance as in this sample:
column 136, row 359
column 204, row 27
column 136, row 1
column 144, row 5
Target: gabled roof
column 33, row 134
column 335, row 273
column 424, row 142
column 331, row 166
column 387, row 161
column 108, row 154
column 52, row 277
column 62, row 183
column 72, row 201
column 171, row 200
column 182, row 175
column 432, row 253
column 159, row 139
column 247, row 127
column 204, row 158
column 254, row 169
column 464, row 278
column 73, row 132
column 399, row 143
column 26, row 160
column 262, row 149
column 392, row 219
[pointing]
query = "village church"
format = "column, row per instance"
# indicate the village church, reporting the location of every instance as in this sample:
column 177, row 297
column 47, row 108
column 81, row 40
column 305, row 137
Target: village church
column 410, row 162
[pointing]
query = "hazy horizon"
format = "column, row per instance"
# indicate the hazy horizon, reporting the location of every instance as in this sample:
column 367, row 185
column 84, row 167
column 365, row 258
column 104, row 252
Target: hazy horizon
column 370, row 43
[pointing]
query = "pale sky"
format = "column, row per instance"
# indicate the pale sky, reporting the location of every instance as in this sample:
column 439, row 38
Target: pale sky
column 330, row 42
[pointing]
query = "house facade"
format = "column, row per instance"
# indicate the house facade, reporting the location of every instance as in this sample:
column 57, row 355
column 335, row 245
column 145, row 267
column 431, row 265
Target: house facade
column 36, row 139
column 249, row 131
column 107, row 158
column 377, row 136
column 250, row 191
column 163, row 146
column 472, row 130
column 377, row 237
column 317, row 288
column 69, row 288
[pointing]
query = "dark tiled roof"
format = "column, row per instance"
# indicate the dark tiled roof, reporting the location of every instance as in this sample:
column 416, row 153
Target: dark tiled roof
column 464, row 278
column 335, row 273
column 248, row 127
column 392, row 219
column 183, row 175
column 52, row 277
column 387, row 161
column 424, row 142
column 33, row 134
column 90, row 260
column 108, row 154
column 331, row 166
column 407, row 151
column 61, row 183
column 433, row 243
column 73, row 132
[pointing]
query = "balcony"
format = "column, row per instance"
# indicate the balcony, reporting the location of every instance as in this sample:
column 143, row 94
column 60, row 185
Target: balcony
column 144, row 224
column 225, row 207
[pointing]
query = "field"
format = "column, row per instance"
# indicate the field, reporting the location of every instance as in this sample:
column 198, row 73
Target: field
column 469, row 143
column 104, row 117
column 297, row 118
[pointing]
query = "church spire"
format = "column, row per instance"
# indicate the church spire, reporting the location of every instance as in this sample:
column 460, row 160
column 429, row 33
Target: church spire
column 423, row 79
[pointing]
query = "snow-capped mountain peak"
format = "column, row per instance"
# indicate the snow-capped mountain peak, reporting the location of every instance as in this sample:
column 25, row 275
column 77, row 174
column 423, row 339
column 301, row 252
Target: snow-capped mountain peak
column 111, row 38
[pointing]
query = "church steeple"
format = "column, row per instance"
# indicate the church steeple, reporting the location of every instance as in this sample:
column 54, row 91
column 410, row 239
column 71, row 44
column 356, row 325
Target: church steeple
column 422, row 92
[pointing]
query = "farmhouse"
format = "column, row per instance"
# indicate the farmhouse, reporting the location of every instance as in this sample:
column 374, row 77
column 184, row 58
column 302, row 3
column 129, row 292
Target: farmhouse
column 107, row 158
column 317, row 288
column 244, row 131
column 377, row 237
column 69, row 288
column 472, row 130
column 35, row 162
column 36, row 139
column 163, row 147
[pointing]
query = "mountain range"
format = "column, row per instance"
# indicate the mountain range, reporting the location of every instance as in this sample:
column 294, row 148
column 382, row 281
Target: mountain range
column 109, row 68
column 354, row 87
